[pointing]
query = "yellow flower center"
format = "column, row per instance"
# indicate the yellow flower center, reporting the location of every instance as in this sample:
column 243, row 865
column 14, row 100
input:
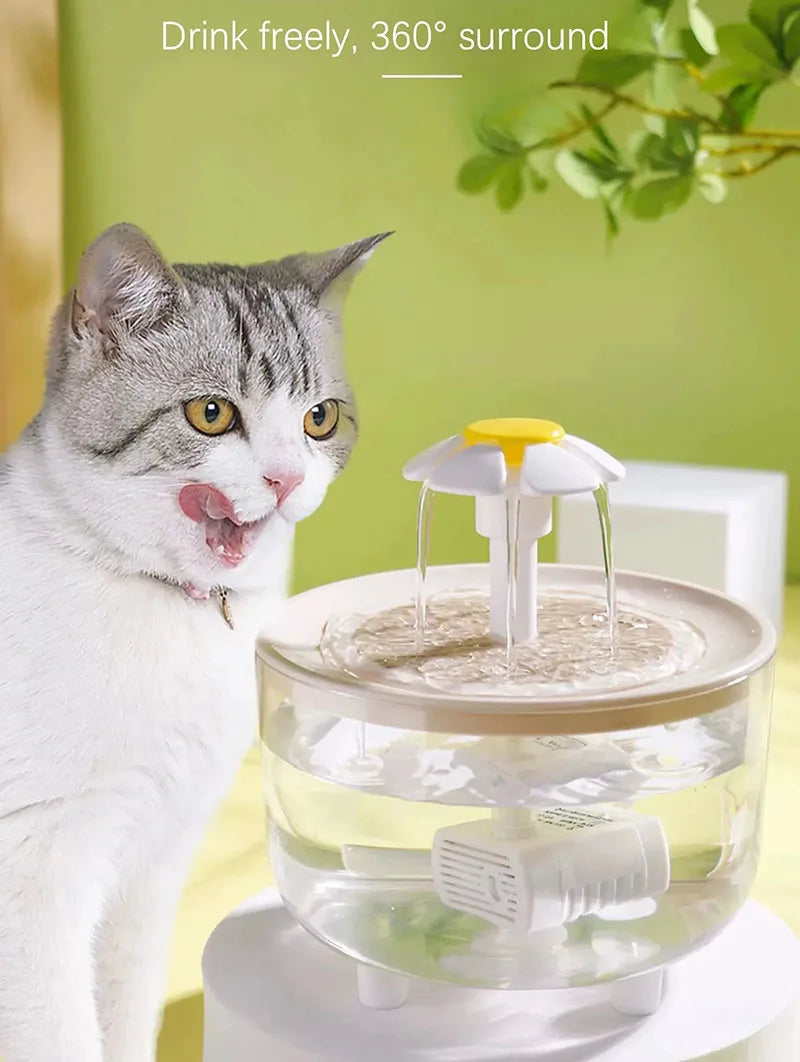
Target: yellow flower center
column 513, row 434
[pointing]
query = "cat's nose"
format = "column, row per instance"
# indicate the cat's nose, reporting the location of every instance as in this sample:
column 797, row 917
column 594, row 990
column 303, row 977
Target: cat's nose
column 283, row 483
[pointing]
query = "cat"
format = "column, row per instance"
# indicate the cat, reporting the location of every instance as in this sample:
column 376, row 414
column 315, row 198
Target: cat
column 193, row 414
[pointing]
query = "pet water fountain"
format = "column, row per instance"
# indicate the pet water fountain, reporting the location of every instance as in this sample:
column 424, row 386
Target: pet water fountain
column 520, row 803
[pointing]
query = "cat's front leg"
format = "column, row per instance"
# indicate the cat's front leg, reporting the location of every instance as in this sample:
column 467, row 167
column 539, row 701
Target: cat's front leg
column 50, row 899
column 132, row 945
column 131, row 952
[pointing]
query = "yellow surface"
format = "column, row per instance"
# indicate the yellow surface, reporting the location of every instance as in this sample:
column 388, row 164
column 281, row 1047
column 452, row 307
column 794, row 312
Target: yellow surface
column 233, row 862
column 513, row 434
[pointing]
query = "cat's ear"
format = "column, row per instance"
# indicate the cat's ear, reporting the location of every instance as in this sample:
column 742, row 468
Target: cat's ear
column 124, row 287
column 330, row 274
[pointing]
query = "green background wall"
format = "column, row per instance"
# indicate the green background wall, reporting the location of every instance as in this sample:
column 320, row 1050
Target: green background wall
column 681, row 345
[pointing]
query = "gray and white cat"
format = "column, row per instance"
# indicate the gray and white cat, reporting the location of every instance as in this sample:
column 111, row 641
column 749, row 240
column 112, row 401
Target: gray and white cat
column 193, row 415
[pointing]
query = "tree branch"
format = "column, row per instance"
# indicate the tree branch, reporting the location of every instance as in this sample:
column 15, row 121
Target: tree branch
column 577, row 130
column 769, row 134
column 682, row 115
column 747, row 169
column 752, row 149
column 639, row 105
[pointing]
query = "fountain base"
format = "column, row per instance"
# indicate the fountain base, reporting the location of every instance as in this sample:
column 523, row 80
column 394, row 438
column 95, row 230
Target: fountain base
column 273, row 992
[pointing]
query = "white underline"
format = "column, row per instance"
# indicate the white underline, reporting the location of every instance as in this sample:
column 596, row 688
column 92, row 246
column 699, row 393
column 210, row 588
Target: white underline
column 421, row 77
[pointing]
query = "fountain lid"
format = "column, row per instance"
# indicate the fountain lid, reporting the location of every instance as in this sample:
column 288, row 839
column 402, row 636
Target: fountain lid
column 537, row 456
column 739, row 642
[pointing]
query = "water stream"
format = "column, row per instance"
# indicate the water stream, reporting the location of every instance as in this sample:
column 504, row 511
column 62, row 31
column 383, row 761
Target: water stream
column 512, row 572
column 424, row 519
column 603, row 512
column 424, row 526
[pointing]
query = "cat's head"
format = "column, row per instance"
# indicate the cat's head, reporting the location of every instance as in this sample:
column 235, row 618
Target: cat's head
column 200, row 410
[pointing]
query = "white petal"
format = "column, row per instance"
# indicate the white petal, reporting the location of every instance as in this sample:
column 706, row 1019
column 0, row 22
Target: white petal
column 609, row 467
column 477, row 470
column 419, row 467
column 548, row 468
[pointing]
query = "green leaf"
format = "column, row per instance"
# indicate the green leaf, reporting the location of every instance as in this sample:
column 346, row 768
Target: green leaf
column 612, row 221
column 726, row 79
column 613, row 68
column 748, row 49
column 702, row 27
column 790, row 32
column 683, row 137
column 635, row 141
column 510, row 187
column 752, row 58
column 523, row 122
column 497, row 139
column 667, row 82
column 639, row 29
column 769, row 17
column 692, row 49
column 764, row 14
column 539, row 183
column 662, row 6
column 656, row 198
column 578, row 174
column 741, row 105
column 604, row 167
column 653, row 153
column 674, row 151
column 540, row 118
column 478, row 173
column 653, row 123
column 599, row 132
column 713, row 187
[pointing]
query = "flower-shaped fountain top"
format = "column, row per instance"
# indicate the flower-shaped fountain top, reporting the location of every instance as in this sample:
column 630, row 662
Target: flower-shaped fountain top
column 514, row 467
column 535, row 457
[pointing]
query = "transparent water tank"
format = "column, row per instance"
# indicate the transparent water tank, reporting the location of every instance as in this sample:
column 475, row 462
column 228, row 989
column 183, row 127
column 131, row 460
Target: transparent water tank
column 508, row 835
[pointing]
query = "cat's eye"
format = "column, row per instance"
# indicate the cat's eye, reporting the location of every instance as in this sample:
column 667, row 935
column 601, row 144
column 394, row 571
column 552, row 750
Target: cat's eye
column 211, row 416
column 322, row 420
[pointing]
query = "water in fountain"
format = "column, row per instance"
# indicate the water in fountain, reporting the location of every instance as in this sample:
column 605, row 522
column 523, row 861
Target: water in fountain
column 424, row 522
column 389, row 913
column 569, row 653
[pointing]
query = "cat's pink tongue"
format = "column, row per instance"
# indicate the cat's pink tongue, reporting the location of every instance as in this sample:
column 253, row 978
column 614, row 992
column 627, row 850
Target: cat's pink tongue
column 226, row 536
column 201, row 502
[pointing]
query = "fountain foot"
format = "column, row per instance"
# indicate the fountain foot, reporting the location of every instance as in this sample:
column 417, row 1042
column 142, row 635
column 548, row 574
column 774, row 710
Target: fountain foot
column 380, row 989
column 641, row 994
